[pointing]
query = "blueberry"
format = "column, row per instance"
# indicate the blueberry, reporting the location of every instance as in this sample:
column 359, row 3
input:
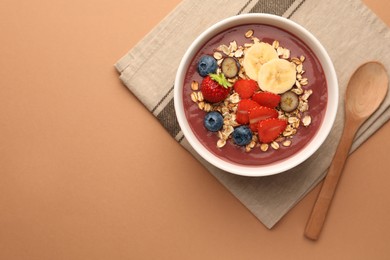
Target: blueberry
column 213, row 121
column 206, row 65
column 242, row 135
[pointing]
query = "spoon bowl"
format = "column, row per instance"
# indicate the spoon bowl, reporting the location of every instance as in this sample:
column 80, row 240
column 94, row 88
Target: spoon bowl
column 366, row 90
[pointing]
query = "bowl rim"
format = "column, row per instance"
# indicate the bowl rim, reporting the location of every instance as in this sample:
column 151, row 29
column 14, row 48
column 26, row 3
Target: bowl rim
column 331, row 108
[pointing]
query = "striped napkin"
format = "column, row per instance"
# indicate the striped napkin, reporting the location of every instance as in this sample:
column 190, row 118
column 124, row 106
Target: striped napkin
column 349, row 31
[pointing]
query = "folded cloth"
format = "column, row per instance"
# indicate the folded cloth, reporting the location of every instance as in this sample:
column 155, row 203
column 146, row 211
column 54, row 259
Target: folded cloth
column 349, row 31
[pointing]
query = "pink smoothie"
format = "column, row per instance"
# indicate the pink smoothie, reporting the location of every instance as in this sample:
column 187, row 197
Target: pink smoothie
column 317, row 101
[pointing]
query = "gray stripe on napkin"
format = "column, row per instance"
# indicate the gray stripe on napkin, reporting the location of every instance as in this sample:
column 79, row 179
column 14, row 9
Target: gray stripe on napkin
column 245, row 6
column 167, row 115
column 167, row 118
column 272, row 7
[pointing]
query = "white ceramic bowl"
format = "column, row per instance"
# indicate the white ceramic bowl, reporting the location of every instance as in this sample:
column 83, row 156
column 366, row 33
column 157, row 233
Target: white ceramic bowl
column 331, row 107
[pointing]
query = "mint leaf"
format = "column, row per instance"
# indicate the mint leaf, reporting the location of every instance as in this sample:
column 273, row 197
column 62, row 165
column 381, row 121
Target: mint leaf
column 221, row 80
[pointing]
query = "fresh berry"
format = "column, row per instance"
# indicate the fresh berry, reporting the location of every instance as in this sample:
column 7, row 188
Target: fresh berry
column 215, row 88
column 206, row 65
column 289, row 101
column 242, row 135
column 257, row 114
column 266, row 99
column 243, row 108
column 213, row 121
column 245, row 87
column 270, row 129
column 230, row 67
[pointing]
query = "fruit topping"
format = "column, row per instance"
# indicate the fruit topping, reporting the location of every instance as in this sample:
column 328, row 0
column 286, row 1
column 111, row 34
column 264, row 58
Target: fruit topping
column 289, row 101
column 245, row 87
column 230, row 67
column 215, row 88
column 277, row 76
column 258, row 114
column 213, row 121
column 257, row 55
column 206, row 65
column 266, row 99
column 242, row 135
column 243, row 108
column 270, row 129
column 252, row 94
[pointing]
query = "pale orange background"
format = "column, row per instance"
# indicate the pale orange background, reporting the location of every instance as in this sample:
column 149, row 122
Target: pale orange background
column 86, row 172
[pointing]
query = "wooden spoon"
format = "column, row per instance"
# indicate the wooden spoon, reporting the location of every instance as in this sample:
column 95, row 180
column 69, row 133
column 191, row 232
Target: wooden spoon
column 365, row 92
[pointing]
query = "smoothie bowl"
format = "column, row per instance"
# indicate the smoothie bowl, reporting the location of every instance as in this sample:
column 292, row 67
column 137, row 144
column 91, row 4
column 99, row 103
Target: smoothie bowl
column 256, row 94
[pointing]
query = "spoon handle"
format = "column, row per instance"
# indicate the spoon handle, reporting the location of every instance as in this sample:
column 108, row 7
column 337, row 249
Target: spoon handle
column 321, row 206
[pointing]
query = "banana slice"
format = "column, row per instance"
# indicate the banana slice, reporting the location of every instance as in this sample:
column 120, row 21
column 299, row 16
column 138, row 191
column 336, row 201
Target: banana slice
column 258, row 54
column 277, row 76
